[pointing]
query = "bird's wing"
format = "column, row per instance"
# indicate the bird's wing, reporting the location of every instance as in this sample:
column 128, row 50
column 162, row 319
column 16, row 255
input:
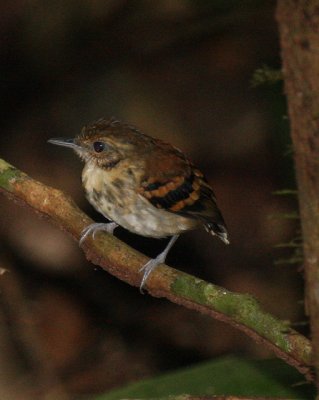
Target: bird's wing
column 172, row 183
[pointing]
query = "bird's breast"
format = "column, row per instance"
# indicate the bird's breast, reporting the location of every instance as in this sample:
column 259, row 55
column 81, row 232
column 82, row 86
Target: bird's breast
column 114, row 193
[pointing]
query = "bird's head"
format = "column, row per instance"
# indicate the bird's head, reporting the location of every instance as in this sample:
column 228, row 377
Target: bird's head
column 105, row 142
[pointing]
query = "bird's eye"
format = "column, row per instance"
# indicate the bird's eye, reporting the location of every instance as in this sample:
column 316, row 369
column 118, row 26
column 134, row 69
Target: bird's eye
column 98, row 146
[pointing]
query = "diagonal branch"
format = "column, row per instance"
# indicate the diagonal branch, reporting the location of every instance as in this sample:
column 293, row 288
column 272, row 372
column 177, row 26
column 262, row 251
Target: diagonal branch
column 241, row 311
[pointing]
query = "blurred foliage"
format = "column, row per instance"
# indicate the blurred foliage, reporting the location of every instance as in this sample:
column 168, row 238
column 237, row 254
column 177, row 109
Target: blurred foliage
column 229, row 376
column 266, row 75
column 295, row 245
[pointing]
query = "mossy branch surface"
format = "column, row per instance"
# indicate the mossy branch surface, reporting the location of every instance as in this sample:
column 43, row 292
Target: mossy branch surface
column 241, row 311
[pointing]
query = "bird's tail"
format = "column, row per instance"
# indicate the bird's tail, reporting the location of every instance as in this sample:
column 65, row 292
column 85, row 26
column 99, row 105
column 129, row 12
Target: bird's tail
column 217, row 229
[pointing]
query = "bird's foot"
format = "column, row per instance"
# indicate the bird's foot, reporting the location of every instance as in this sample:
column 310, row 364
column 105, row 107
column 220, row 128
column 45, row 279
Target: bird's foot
column 96, row 227
column 154, row 262
column 150, row 266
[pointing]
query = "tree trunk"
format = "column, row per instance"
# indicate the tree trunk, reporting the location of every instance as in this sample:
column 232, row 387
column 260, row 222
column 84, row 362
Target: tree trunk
column 299, row 36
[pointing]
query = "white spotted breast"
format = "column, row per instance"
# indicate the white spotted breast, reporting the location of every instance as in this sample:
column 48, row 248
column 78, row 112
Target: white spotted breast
column 114, row 194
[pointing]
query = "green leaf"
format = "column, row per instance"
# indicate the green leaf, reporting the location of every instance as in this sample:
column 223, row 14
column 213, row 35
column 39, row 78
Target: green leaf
column 225, row 376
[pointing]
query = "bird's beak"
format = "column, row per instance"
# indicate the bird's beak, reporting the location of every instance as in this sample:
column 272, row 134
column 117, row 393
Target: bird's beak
column 64, row 142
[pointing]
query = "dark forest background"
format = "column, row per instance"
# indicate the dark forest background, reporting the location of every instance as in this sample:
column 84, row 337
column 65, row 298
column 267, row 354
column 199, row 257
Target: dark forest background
column 182, row 71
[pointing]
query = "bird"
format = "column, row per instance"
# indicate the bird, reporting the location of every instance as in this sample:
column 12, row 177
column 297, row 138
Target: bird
column 144, row 185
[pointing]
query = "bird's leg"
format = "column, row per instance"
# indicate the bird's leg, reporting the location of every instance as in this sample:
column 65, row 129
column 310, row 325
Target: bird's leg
column 154, row 262
column 96, row 227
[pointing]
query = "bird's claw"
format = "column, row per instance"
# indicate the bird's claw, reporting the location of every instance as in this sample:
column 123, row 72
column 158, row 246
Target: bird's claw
column 149, row 267
column 154, row 262
column 96, row 227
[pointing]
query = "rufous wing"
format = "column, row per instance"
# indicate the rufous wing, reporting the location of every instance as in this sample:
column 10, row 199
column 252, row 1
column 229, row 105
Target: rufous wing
column 185, row 192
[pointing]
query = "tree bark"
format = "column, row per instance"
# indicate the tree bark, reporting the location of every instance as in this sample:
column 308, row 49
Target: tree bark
column 299, row 37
